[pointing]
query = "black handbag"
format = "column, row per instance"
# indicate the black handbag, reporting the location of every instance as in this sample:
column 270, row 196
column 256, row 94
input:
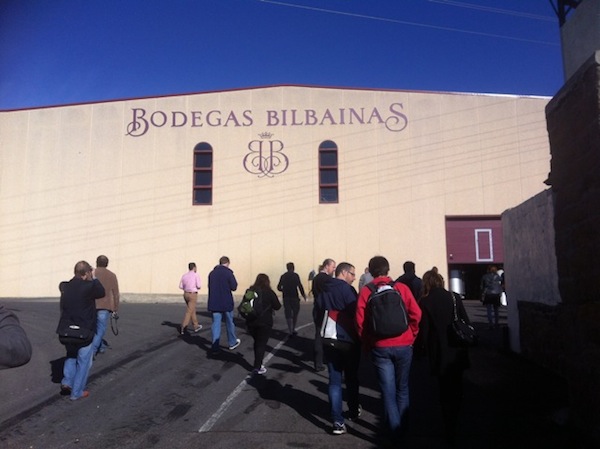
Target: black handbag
column 72, row 334
column 460, row 333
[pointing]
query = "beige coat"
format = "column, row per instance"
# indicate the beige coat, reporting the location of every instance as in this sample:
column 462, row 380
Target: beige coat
column 109, row 281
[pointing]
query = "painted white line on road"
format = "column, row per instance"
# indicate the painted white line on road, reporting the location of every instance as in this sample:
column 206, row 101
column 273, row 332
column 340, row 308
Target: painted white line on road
column 208, row 425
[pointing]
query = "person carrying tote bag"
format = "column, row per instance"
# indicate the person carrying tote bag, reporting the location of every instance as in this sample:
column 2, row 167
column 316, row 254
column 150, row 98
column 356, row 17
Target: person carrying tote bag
column 447, row 361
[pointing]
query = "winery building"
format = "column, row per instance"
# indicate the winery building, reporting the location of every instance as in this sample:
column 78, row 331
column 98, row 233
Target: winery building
column 264, row 176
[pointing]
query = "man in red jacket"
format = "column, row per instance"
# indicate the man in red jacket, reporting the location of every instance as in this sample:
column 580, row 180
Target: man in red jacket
column 391, row 356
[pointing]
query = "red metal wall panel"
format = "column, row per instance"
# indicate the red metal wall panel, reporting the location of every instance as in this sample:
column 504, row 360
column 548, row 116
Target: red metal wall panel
column 474, row 240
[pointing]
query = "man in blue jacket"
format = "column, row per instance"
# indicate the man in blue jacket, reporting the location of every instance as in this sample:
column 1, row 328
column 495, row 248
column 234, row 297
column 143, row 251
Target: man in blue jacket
column 336, row 308
column 221, row 282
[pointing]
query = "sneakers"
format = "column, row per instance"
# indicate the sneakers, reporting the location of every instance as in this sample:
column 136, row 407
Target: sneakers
column 182, row 330
column 85, row 394
column 262, row 370
column 339, row 428
column 353, row 415
column 237, row 343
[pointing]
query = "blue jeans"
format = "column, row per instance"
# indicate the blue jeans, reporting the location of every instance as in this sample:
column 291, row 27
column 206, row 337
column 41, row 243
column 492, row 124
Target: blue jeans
column 392, row 365
column 102, row 317
column 76, row 370
column 342, row 362
column 216, row 329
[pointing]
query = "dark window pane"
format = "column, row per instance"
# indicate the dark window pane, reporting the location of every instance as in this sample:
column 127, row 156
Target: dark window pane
column 203, row 174
column 202, row 178
column 328, row 158
column 328, row 172
column 329, row 195
column 203, row 160
column 328, row 144
column 203, row 196
column 203, row 146
column 328, row 177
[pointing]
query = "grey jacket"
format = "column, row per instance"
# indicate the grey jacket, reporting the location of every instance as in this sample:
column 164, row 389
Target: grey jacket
column 15, row 348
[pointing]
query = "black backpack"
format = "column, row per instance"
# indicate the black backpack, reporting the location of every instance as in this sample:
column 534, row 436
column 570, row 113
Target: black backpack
column 385, row 314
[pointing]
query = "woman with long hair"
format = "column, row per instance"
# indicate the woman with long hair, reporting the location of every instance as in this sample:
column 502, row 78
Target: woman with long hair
column 447, row 362
column 260, row 322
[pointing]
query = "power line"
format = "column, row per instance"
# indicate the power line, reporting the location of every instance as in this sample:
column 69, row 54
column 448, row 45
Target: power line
column 404, row 22
column 494, row 10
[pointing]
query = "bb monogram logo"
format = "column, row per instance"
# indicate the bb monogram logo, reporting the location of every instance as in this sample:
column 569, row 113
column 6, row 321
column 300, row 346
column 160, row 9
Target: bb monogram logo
column 266, row 157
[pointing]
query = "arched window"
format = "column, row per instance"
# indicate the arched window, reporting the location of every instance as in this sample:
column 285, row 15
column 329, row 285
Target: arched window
column 203, row 174
column 328, row 172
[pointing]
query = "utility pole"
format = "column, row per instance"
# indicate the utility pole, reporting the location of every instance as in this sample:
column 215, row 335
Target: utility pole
column 562, row 8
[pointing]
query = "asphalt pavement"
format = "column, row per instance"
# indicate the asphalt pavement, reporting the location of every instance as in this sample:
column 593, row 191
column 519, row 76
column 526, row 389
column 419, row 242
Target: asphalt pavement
column 154, row 389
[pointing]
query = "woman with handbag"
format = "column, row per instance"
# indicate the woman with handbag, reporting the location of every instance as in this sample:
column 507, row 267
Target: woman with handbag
column 447, row 360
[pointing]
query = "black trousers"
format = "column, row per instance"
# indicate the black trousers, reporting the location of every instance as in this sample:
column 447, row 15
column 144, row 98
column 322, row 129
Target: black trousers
column 451, row 392
column 291, row 308
column 318, row 346
column 260, row 334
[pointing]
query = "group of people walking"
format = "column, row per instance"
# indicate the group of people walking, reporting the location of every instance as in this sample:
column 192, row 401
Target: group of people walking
column 343, row 329
column 221, row 285
column 343, row 325
column 343, row 332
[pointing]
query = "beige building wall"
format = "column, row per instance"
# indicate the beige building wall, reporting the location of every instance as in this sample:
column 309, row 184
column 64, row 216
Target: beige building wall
column 79, row 181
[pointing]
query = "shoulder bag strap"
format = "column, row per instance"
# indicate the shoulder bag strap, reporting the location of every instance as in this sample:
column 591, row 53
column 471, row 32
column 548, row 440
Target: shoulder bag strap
column 454, row 306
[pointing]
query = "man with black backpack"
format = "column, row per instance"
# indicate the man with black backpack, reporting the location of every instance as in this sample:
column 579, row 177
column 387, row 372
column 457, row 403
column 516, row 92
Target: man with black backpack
column 387, row 318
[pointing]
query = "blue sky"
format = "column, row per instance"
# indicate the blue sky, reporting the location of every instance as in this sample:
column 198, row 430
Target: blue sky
column 77, row 51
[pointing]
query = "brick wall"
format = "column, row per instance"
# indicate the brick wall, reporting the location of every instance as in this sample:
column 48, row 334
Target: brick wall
column 573, row 119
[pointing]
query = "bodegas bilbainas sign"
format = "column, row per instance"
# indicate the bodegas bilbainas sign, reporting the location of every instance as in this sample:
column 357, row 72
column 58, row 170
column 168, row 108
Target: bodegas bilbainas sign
column 142, row 120
column 265, row 156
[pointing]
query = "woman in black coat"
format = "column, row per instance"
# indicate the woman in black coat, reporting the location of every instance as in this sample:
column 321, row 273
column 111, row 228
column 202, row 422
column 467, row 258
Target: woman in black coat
column 260, row 324
column 447, row 363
